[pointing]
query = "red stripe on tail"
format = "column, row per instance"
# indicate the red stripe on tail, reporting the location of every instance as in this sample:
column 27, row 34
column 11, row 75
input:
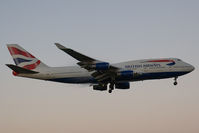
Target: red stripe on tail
column 16, row 51
column 32, row 66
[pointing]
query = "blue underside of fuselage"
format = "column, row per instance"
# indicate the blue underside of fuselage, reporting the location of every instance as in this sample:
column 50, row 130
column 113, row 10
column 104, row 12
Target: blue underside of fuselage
column 144, row 76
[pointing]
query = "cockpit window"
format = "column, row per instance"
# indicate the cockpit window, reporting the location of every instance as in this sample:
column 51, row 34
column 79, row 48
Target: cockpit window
column 179, row 60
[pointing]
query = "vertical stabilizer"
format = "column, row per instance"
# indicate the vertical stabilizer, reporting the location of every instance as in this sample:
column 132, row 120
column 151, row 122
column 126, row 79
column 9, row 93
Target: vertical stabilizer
column 24, row 59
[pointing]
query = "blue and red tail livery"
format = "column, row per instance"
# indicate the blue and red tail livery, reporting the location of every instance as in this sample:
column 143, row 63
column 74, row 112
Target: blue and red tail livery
column 19, row 51
column 22, row 58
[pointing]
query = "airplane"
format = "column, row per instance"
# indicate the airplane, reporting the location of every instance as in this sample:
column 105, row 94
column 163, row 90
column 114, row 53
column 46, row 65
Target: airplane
column 100, row 74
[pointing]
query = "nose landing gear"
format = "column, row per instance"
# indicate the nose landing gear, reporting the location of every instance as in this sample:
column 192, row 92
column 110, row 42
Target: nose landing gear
column 111, row 87
column 175, row 81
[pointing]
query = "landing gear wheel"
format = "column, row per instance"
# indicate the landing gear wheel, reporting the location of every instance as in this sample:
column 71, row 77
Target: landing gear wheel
column 175, row 83
column 111, row 88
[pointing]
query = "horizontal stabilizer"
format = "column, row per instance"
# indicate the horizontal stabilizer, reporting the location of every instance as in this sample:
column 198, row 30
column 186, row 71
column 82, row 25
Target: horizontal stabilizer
column 20, row 70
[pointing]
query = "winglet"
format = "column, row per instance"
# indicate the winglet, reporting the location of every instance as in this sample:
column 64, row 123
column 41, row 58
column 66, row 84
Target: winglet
column 60, row 46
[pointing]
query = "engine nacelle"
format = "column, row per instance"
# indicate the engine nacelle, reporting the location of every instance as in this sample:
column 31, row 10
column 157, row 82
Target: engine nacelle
column 123, row 85
column 101, row 66
column 125, row 74
column 100, row 87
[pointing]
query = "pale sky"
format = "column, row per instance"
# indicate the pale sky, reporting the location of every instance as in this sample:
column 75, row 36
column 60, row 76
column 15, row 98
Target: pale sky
column 109, row 30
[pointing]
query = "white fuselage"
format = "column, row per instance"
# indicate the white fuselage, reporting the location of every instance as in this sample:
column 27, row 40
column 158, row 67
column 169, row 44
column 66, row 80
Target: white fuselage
column 147, row 69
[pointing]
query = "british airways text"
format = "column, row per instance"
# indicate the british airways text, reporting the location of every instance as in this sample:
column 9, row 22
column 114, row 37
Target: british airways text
column 142, row 65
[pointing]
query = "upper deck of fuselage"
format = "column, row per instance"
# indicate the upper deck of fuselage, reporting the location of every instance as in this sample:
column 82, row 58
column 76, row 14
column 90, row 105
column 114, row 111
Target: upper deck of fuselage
column 156, row 64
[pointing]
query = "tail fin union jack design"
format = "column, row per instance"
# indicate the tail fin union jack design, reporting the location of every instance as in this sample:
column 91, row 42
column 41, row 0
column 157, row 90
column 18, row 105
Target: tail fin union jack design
column 22, row 58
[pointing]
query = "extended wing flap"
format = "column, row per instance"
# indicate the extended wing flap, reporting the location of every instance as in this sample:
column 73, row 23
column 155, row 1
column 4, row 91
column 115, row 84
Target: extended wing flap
column 20, row 70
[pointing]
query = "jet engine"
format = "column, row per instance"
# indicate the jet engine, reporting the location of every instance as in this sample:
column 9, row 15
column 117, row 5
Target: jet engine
column 128, row 74
column 123, row 85
column 101, row 66
column 100, row 87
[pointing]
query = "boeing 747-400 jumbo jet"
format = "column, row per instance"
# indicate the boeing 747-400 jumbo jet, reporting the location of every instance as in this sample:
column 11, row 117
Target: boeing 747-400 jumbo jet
column 98, row 73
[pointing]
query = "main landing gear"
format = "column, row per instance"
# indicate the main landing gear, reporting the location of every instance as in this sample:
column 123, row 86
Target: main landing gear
column 111, row 87
column 175, row 81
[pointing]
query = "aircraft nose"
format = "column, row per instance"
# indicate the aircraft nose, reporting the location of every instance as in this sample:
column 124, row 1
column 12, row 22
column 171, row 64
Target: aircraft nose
column 192, row 68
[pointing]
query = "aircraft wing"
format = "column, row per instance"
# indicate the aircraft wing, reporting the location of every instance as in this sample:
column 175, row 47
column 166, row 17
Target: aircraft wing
column 102, row 71
column 78, row 56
